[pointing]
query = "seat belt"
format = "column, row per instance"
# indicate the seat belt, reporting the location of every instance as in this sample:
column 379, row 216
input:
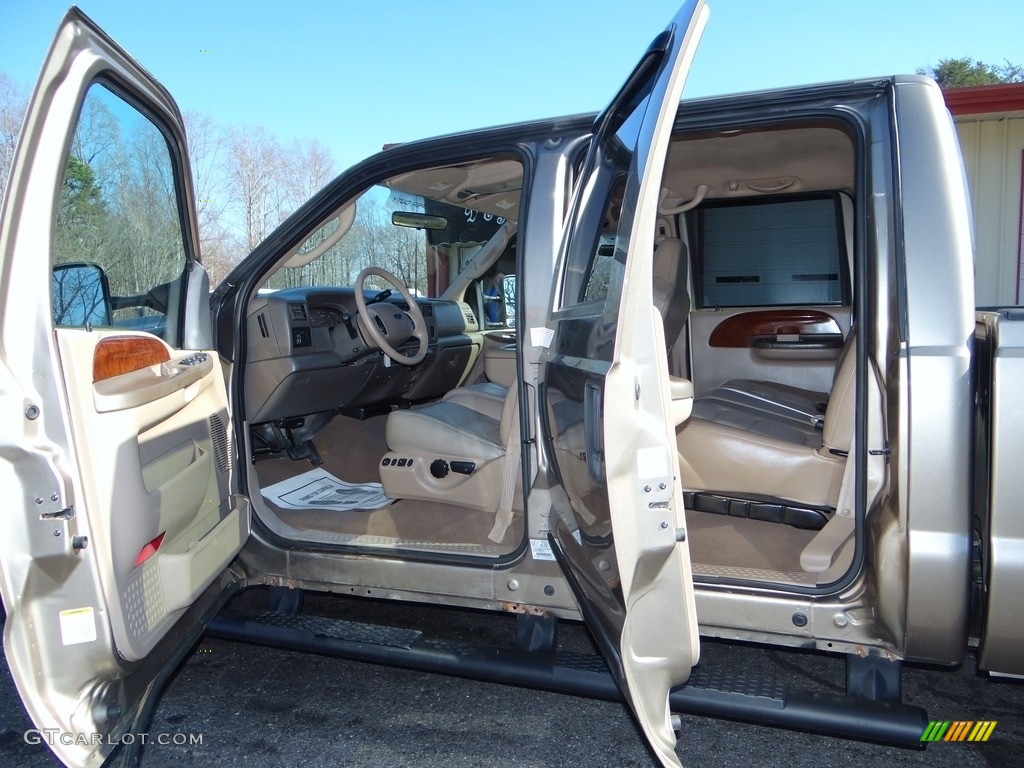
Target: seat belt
column 510, row 471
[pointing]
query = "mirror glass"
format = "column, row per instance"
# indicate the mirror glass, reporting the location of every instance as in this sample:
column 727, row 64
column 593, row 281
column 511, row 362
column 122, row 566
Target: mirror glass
column 418, row 220
column 80, row 295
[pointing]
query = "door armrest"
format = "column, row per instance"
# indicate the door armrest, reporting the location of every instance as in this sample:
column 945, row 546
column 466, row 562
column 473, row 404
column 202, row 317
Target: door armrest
column 681, row 392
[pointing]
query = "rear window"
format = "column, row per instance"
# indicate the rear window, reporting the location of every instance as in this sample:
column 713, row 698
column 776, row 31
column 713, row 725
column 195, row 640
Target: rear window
column 779, row 252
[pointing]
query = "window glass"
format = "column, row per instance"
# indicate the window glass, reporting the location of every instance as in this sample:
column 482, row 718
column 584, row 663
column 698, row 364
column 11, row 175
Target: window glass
column 425, row 227
column 508, row 294
column 372, row 240
column 780, row 252
column 601, row 267
column 597, row 251
column 498, row 297
column 118, row 247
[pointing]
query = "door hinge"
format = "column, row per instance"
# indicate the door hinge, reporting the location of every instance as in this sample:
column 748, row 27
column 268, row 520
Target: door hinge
column 883, row 451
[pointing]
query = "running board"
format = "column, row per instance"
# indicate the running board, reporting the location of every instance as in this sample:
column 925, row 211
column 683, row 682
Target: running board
column 725, row 694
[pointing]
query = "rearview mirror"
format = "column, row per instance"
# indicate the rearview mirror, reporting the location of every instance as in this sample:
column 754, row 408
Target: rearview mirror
column 80, row 295
column 418, row 220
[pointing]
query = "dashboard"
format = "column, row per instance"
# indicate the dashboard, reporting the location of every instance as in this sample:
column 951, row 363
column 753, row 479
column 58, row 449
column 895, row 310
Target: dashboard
column 306, row 354
column 325, row 317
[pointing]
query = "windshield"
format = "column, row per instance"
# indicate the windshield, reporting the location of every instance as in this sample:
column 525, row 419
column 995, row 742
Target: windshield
column 424, row 227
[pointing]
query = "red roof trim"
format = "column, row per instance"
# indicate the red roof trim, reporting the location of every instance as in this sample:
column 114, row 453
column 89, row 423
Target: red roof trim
column 1005, row 97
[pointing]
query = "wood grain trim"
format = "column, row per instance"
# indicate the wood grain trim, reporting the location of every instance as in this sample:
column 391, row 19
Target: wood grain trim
column 739, row 330
column 116, row 355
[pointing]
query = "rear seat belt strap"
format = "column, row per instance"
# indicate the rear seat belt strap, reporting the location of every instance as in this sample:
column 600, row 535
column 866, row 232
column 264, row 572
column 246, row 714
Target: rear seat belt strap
column 814, row 418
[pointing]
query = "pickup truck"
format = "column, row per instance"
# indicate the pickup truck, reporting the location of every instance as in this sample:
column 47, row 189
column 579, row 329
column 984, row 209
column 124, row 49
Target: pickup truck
column 736, row 388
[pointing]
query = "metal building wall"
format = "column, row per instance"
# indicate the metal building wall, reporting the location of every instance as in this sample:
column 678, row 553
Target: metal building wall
column 993, row 150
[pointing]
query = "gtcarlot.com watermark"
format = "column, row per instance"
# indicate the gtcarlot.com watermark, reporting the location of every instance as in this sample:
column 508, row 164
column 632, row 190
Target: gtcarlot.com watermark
column 54, row 736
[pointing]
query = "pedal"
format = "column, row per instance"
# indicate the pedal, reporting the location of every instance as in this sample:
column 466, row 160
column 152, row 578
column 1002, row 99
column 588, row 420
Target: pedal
column 305, row 450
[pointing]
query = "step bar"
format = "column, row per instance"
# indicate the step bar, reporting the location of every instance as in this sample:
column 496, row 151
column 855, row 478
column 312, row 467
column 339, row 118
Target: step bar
column 708, row 692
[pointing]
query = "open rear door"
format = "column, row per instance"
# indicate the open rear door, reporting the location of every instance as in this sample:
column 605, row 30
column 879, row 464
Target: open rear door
column 609, row 398
column 115, row 455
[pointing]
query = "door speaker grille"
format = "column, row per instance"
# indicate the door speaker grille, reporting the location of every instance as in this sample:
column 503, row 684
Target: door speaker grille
column 221, row 442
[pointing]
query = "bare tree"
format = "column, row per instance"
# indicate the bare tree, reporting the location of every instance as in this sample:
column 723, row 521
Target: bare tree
column 145, row 228
column 266, row 184
column 255, row 167
column 13, row 103
column 207, row 150
column 399, row 250
column 245, row 184
column 309, row 167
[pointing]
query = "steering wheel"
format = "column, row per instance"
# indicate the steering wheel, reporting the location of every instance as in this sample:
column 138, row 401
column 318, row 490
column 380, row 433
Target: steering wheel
column 389, row 326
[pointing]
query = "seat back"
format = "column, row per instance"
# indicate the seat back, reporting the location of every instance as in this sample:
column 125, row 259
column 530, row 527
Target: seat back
column 671, row 291
column 837, row 432
column 666, row 270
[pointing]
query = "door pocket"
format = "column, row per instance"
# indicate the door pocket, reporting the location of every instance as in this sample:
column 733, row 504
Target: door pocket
column 179, row 480
column 184, row 576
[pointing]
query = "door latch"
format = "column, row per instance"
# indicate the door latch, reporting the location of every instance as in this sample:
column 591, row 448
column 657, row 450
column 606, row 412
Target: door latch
column 62, row 514
column 883, row 451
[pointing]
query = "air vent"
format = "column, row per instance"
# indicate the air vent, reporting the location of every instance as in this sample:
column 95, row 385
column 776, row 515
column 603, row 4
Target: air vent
column 262, row 321
column 221, row 443
column 426, row 309
column 298, row 311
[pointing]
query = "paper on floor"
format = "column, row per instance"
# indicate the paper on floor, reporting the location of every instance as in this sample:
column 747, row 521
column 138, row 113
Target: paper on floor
column 319, row 489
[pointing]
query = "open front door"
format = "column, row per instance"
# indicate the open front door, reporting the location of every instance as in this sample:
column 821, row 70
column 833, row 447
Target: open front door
column 611, row 405
column 114, row 451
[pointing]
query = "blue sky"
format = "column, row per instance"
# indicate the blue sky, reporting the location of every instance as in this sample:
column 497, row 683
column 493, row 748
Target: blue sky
column 356, row 75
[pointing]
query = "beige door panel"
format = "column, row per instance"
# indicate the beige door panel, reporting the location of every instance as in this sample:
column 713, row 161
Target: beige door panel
column 500, row 363
column 787, row 345
column 492, row 346
column 152, row 446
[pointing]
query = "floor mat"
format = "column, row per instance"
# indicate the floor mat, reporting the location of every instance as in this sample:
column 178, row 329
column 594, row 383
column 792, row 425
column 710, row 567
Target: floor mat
column 722, row 540
column 352, row 449
column 319, row 489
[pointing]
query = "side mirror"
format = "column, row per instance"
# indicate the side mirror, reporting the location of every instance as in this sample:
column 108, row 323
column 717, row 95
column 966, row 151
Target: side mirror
column 80, row 295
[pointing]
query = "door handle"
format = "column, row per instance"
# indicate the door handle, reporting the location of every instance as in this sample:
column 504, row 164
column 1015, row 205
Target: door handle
column 144, row 386
column 811, row 342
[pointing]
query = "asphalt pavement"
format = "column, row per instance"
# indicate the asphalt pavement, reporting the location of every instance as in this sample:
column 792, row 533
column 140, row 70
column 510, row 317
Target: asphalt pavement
column 261, row 707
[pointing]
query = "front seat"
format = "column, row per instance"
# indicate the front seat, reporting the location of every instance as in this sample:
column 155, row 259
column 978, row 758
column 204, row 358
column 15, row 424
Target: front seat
column 452, row 453
column 465, row 450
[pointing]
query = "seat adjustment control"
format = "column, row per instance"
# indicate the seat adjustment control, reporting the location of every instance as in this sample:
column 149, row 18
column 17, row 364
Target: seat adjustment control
column 463, row 467
column 439, row 468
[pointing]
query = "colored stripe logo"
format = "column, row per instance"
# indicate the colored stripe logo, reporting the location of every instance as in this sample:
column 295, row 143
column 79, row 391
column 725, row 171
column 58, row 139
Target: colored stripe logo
column 958, row 730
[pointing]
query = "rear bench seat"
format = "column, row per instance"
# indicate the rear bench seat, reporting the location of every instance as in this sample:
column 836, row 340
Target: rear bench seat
column 769, row 443
column 801, row 405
